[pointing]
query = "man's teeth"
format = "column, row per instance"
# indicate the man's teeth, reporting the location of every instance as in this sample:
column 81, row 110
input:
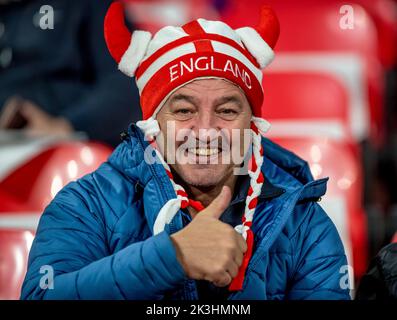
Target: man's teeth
column 204, row 151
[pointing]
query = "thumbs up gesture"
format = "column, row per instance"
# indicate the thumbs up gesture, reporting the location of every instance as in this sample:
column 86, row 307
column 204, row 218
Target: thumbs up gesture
column 209, row 249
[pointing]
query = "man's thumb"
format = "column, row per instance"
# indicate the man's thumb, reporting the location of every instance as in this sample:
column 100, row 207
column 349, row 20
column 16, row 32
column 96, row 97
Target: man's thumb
column 220, row 203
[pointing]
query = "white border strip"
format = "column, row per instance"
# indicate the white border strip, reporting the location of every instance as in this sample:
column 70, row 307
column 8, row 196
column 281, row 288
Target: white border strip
column 333, row 129
column 25, row 221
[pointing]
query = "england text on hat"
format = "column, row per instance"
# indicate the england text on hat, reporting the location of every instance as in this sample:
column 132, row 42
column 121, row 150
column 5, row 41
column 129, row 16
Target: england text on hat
column 208, row 63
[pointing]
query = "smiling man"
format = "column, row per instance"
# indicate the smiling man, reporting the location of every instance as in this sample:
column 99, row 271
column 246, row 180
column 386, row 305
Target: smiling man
column 195, row 203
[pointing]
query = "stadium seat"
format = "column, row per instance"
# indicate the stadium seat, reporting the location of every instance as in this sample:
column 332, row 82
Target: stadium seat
column 314, row 26
column 343, row 203
column 313, row 37
column 30, row 187
column 304, row 102
column 25, row 192
column 14, row 251
column 384, row 14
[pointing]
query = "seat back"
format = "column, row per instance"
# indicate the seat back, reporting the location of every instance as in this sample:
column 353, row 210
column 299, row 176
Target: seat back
column 14, row 251
column 339, row 161
column 306, row 102
column 35, row 183
column 312, row 29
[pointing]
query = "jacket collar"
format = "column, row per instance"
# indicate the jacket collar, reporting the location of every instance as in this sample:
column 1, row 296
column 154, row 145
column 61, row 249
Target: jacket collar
column 268, row 190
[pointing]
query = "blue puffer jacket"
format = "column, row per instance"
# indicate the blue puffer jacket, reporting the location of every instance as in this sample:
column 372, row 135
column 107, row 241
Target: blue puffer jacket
column 97, row 236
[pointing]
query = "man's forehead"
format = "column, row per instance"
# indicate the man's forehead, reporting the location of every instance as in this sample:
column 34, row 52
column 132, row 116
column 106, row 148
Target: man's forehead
column 214, row 89
column 212, row 85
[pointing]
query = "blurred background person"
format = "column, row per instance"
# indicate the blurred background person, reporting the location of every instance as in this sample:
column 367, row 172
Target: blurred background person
column 56, row 76
column 380, row 282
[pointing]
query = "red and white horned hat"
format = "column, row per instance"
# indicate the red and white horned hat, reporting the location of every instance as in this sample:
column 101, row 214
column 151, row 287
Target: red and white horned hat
column 200, row 49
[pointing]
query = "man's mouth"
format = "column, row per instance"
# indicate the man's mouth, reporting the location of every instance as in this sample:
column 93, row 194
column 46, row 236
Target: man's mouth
column 206, row 152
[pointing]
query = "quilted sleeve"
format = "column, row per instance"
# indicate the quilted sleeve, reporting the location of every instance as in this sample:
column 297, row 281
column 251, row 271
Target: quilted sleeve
column 319, row 258
column 71, row 241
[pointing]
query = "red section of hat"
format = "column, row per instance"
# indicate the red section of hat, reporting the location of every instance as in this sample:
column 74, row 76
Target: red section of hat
column 193, row 28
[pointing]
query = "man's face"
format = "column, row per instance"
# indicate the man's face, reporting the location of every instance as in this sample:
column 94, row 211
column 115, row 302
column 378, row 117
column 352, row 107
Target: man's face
column 209, row 117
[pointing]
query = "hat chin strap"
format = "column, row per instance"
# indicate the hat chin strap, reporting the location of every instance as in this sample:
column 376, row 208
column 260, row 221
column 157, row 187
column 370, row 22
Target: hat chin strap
column 167, row 212
column 150, row 128
column 262, row 125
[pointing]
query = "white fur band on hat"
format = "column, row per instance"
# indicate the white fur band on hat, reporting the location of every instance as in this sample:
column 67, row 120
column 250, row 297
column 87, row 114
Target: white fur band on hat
column 256, row 46
column 136, row 51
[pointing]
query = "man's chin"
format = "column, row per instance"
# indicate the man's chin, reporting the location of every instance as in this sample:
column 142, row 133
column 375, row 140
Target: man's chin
column 202, row 176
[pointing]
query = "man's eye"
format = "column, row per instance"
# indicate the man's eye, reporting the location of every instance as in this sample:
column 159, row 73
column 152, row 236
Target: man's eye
column 228, row 111
column 183, row 111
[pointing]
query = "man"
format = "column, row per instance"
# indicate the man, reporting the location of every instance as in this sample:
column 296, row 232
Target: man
column 148, row 226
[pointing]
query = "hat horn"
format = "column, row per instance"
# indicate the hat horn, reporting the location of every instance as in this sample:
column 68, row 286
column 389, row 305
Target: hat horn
column 269, row 26
column 117, row 35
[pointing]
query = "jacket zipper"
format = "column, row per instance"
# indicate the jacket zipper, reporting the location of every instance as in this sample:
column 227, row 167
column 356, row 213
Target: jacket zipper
column 290, row 207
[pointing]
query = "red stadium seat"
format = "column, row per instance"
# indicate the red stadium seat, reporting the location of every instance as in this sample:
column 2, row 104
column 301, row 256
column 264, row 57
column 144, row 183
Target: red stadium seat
column 312, row 28
column 14, row 251
column 315, row 95
column 384, row 14
column 346, row 69
column 26, row 191
column 34, row 184
column 343, row 198
column 312, row 25
column 316, row 102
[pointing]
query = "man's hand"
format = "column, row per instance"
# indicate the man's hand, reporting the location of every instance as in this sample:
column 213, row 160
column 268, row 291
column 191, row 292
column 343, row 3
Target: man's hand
column 209, row 249
column 40, row 122
column 23, row 114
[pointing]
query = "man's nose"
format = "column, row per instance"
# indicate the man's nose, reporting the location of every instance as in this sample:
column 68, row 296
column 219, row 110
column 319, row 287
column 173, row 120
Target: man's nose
column 205, row 125
column 206, row 120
